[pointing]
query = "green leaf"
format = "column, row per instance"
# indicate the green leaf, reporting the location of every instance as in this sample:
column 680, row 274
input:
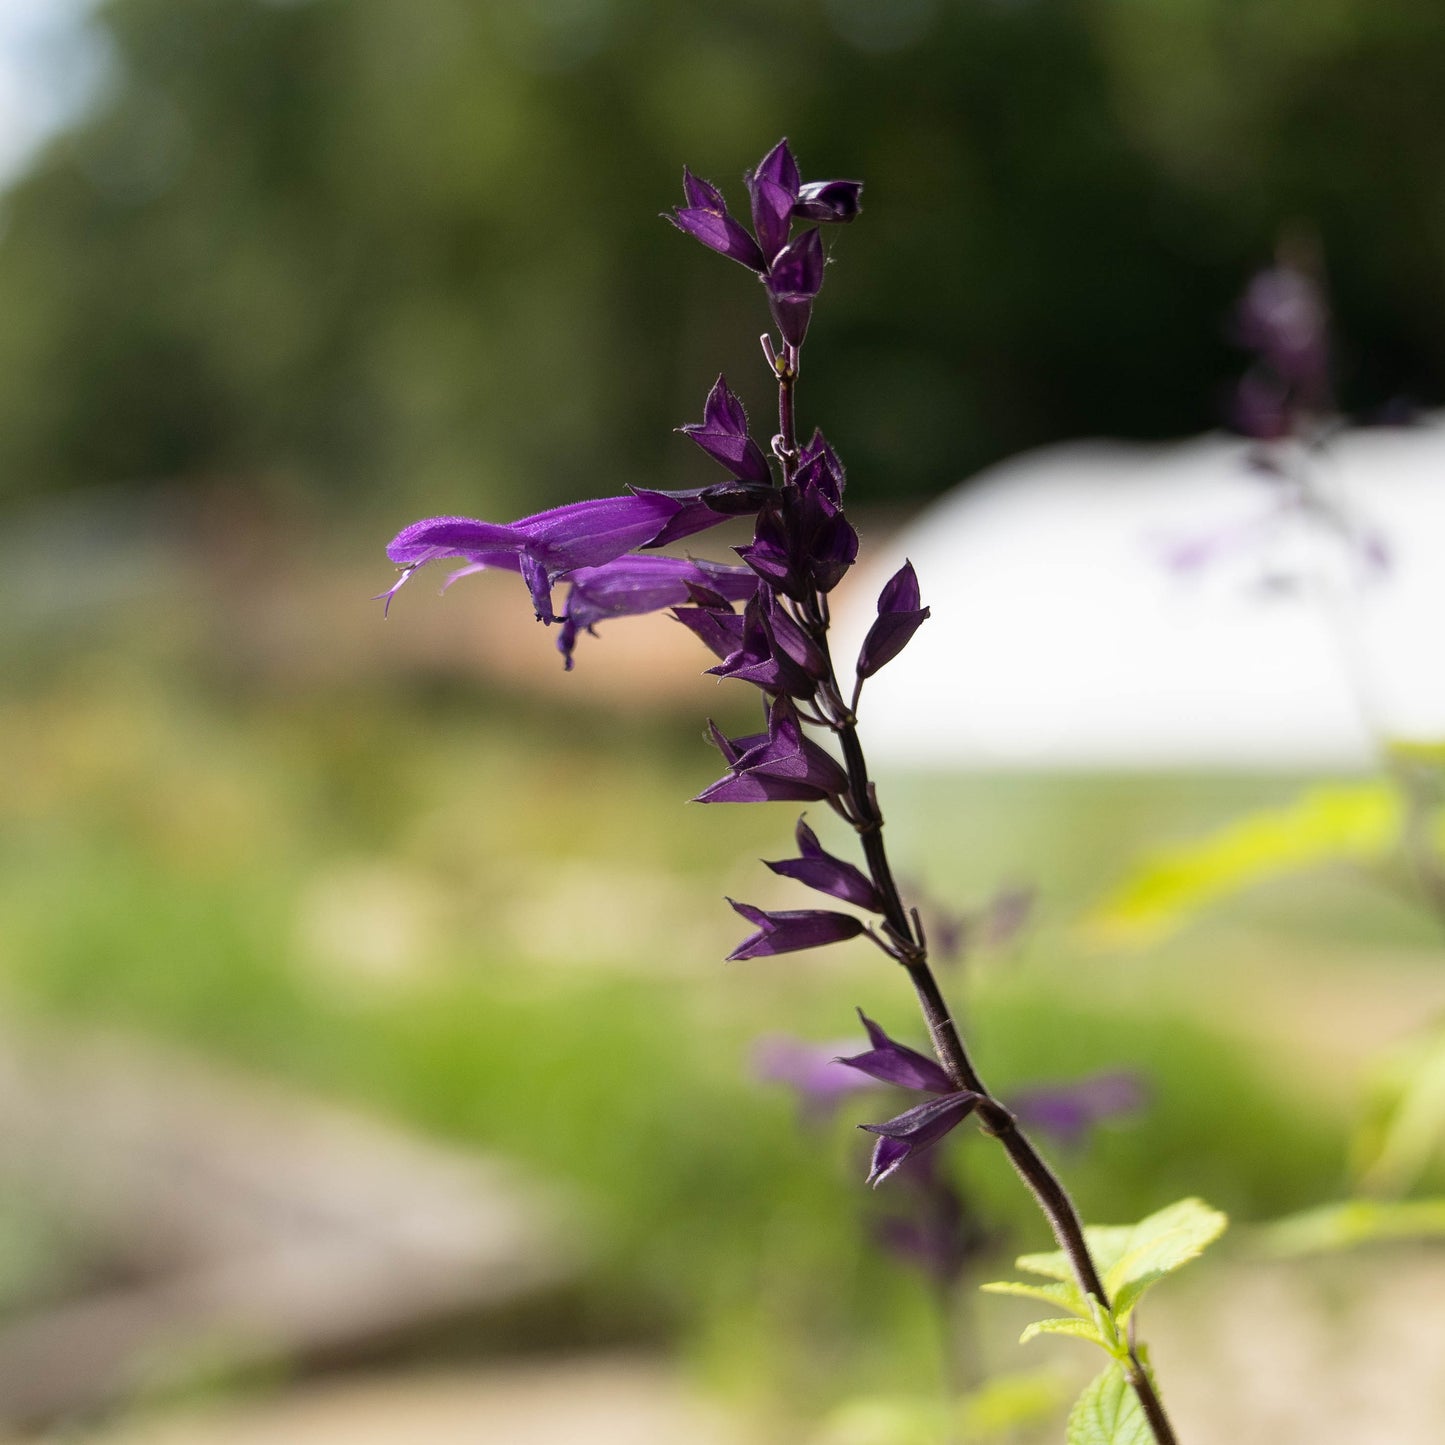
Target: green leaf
column 1157, row 1246
column 1065, row 1294
column 1108, row 1413
column 1129, row 1257
column 1354, row 1222
column 1080, row 1329
column 1007, row 1403
column 1357, row 823
column 1405, row 1126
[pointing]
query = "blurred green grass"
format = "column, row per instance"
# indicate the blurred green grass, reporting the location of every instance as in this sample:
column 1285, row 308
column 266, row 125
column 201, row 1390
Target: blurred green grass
column 495, row 922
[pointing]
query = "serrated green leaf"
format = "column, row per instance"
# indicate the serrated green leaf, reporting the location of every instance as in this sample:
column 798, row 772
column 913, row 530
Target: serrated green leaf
column 1131, row 1257
column 1159, row 1245
column 1358, row 823
column 1108, row 1413
column 1354, row 1222
column 1080, row 1329
column 1064, row 1294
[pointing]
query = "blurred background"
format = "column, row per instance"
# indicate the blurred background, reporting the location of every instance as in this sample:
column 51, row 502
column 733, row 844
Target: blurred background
column 367, row 1068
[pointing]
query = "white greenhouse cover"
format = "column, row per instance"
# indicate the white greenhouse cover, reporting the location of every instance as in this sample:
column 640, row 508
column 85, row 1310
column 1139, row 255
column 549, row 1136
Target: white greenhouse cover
column 1060, row 636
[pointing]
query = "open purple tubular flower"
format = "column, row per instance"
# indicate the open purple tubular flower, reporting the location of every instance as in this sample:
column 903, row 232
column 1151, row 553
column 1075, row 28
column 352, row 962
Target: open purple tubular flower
column 543, row 547
column 900, row 615
column 792, row 929
column 917, row 1129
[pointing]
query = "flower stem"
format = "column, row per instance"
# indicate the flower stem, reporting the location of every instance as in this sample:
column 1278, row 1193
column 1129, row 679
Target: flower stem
column 912, row 952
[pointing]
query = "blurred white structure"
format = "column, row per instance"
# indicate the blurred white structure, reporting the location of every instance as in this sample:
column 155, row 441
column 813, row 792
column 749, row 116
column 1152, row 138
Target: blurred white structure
column 1061, row 636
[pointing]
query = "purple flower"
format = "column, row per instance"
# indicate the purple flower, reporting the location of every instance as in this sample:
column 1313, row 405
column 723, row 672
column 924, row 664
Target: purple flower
column 829, row 201
column 900, row 615
column 893, row 1063
column 792, row 929
column 792, row 269
column 723, row 435
column 1283, row 318
column 916, row 1129
column 921, row 1127
column 802, row 543
column 773, row 188
column 781, row 765
column 821, row 870
column 812, row 1071
column 793, row 280
column 940, row 1235
column 542, row 547
column 773, row 651
column 633, row 585
column 1070, row 1111
column 705, row 218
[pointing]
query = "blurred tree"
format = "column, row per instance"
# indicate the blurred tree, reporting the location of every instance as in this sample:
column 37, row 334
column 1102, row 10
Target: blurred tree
column 368, row 245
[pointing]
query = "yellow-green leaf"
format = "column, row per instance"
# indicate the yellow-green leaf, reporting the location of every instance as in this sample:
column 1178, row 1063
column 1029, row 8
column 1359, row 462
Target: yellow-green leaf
column 1080, row 1329
column 1064, row 1294
column 1358, row 823
column 1354, row 1222
column 1108, row 1413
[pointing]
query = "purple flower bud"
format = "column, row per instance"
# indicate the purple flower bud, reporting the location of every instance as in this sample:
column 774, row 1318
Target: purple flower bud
column 723, row 435
column 899, row 617
column 773, row 188
column 915, row 1130
column 821, row 870
column 895, row 1063
column 828, row 201
column 802, row 543
column 705, row 218
column 819, row 469
column 793, row 279
column 784, row 765
column 790, row 930
column 773, row 652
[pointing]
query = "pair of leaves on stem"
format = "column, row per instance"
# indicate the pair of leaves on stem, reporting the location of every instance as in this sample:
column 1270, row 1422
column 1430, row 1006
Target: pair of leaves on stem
column 1131, row 1258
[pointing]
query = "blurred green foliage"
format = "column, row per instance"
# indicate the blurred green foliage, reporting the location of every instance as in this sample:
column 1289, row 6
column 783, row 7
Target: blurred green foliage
column 356, row 244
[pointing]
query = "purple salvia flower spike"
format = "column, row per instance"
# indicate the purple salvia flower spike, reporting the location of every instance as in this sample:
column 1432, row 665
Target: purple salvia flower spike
column 893, row 1063
column 791, row 930
column 723, row 435
column 899, row 617
column 915, row 1130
